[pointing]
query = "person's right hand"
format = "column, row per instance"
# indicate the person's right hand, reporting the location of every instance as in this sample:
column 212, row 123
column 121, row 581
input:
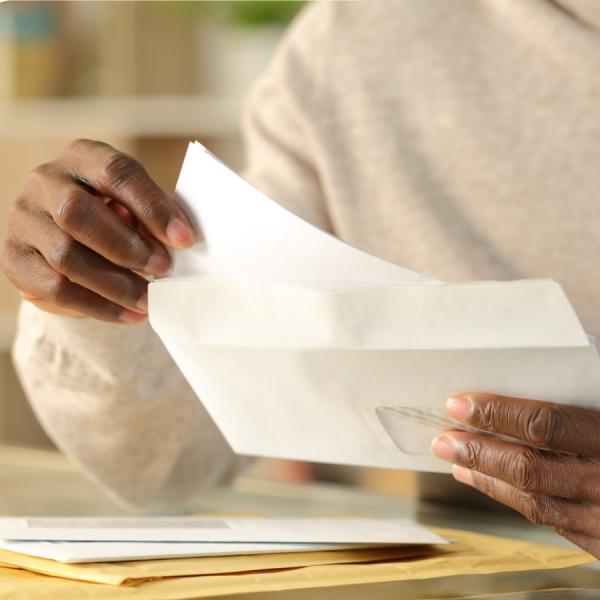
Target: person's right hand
column 85, row 228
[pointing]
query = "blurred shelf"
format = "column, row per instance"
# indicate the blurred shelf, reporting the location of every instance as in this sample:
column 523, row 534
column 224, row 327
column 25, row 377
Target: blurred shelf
column 128, row 116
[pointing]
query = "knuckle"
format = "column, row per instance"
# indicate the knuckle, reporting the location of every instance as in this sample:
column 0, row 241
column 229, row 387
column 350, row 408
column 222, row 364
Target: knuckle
column 123, row 283
column 540, row 509
column 134, row 251
column 13, row 255
column 153, row 208
column 20, row 206
column 35, row 190
column 120, row 170
column 43, row 171
column 72, row 210
column 111, row 314
column 543, row 426
column 81, row 145
column 132, row 283
column 20, row 214
column 587, row 486
column 486, row 415
column 532, row 508
column 7, row 255
column 64, row 255
column 487, row 485
column 60, row 289
column 525, row 469
column 130, row 289
column 471, row 454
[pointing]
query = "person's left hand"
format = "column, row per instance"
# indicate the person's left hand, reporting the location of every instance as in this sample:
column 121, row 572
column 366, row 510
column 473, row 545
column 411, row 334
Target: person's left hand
column 554, row 480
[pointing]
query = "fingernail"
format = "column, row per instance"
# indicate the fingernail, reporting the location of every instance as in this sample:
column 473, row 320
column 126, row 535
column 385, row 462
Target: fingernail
column 463, row 475
column 443, row 447
column 179, row 234
column 458, row 407
column 157, row 264
column 130, row 316
column 142, row 303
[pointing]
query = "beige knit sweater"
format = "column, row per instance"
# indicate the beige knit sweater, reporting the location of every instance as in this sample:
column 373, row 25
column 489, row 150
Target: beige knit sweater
column 459, row 138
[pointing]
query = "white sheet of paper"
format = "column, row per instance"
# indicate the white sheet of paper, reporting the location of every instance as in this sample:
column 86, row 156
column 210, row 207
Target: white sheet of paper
column 303, row 347
column 84, row 552
column 248, row 235
column 300, row 530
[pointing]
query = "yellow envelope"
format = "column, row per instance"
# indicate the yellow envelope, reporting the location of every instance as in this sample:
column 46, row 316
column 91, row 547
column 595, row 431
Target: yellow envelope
column 471, row 554
column 22, row 585
column 136, row 572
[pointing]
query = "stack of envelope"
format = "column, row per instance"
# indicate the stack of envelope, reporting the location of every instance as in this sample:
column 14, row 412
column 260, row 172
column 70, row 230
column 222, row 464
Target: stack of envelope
column 89, row 539
column 62, row 558
column 303, row 347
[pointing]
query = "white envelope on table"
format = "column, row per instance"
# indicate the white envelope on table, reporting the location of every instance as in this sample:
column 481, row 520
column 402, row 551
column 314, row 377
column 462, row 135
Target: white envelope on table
column 219, row 530
column 303, row 347
column 84, row 552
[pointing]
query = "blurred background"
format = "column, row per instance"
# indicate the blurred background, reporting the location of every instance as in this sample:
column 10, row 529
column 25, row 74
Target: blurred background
column 146, row 77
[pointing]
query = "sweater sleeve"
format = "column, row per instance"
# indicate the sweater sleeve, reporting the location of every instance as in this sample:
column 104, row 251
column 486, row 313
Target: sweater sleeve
column 280, row 122
column 114, row 402
column 110, row 396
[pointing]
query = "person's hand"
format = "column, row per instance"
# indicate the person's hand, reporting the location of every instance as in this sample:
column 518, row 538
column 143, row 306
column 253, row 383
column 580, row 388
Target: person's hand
column 554, row 480
column 85, row 229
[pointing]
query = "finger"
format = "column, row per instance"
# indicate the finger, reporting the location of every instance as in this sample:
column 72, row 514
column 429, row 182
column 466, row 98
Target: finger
column 539, row 509
column 588, row 543
column 88, row 219
column 541, row 424
column 47, row 307
column 123, row 213
column 523, row 467
column 44, row 283
column 115, row 174
column 88, row 269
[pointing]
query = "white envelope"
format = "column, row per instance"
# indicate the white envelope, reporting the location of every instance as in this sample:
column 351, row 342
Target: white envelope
column 245, row 530
column 303, row 347
column 84, row 552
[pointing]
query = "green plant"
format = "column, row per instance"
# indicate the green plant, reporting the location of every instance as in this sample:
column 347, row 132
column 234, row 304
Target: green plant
column 244, row 13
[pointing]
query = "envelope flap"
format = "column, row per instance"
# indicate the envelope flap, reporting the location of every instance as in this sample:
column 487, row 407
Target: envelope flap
column 247, row 313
